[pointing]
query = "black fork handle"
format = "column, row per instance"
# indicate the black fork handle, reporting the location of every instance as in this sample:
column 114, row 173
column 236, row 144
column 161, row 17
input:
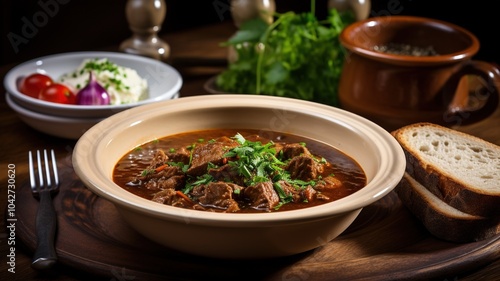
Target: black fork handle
column 46, row 222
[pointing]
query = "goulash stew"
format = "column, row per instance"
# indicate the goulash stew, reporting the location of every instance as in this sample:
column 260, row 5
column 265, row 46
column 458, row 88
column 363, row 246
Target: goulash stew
column 238, row 171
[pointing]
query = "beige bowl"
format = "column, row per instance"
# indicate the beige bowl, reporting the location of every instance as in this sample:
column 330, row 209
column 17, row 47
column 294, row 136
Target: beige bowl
column 225, row 235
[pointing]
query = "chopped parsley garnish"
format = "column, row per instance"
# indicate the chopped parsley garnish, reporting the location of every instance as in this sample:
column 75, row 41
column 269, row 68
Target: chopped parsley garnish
column 257, row 162
column 254, row 161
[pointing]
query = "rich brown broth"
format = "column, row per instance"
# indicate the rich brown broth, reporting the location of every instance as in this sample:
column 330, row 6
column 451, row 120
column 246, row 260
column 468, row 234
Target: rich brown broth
column 344, row 167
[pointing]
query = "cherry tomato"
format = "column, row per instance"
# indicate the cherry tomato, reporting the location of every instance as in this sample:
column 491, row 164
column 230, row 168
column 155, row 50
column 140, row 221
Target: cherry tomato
column 34, row 83
column 57, row 92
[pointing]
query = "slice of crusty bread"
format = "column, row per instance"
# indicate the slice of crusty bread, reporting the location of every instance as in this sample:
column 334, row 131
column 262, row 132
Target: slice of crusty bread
column 462, row 170
column 440, row 219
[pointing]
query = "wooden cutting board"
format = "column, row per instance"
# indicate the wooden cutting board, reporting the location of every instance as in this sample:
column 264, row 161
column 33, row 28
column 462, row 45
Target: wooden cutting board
column 384, row 243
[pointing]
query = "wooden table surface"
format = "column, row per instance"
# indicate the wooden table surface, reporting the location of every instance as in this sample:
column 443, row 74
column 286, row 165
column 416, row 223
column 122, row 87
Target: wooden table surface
column 197, row 55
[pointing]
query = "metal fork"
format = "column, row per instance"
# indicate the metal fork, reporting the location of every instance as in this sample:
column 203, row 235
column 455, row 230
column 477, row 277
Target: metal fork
column 46, row 220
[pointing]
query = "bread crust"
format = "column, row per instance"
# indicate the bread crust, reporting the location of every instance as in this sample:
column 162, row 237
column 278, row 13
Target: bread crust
column 437, row 217
column 450, row 189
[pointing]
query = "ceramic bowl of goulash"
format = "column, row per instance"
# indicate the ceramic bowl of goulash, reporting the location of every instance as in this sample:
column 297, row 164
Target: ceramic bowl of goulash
column 239, row 176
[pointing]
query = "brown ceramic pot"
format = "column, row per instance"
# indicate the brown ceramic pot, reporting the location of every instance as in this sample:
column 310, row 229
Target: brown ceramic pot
column 394, row 90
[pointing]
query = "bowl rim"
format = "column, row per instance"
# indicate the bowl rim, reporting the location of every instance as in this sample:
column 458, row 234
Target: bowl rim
column 350, row 43
column 12, row 76
column 45, row 117
column 91, row 143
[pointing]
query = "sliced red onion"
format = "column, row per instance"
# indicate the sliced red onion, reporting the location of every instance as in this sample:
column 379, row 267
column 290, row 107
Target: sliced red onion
column 93, row 93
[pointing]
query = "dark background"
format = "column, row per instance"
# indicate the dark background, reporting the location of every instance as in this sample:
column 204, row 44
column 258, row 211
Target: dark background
column 80, row 25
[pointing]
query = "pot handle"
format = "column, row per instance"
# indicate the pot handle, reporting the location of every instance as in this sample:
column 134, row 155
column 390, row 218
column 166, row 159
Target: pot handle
column 483, row 97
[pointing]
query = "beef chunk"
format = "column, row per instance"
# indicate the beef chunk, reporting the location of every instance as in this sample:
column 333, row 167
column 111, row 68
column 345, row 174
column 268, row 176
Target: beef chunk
column 262, row 195
column 309, row 193
column 168, row 177
column 162, row 172
column 211, row 152
column 180, row 155
column 291, row 150
column 217, row 195
column 170, row 197
column 159, row 159
column 328, row 183
column 166, row 172
column 290, row 190
column 227, row 173
column 165, row 196
column 173, row 182
column 304, row 168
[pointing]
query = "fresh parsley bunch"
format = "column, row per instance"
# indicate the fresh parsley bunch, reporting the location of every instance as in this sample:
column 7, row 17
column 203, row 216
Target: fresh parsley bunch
column 297, row 56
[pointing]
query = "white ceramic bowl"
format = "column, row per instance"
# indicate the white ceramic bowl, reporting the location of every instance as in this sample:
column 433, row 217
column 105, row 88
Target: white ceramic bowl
column 63, row 127
column 164, row 82
column 225, row 235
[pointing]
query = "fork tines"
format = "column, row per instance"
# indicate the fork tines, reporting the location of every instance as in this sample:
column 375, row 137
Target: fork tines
column 51, row 179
